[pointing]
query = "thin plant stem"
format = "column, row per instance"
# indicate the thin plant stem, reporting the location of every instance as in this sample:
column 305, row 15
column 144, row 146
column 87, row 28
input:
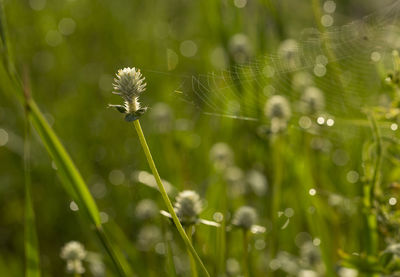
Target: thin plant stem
column 32, row 260
column 277, row 147
column 370, row 189
column 246, row 271
column 221, row 232
column 166, row 198
column 189, row 231
column 31, row 240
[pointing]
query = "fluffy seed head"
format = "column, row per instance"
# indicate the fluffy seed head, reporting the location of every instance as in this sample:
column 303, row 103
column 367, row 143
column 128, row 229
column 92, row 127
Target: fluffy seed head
column 188, row 206
column 245, row 217
column 312, row 100
column 234, row 177
column 129, row 83
column 257, row 182
column 310, row 254
column 288, row 52
column 301, row 80
column 240, row 48
column 73, row 250
column 277, row 107
column 221, row 155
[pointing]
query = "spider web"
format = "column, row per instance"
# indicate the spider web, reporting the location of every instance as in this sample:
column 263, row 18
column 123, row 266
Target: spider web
column 338, row 61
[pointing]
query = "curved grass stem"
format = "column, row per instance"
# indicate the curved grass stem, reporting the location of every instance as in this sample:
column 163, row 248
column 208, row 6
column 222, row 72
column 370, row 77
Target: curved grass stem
column 165, row 197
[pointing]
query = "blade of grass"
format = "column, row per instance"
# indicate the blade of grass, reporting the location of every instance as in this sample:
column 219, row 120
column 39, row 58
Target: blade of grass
column 69, row 174
column 32, row 261
column 73, row 181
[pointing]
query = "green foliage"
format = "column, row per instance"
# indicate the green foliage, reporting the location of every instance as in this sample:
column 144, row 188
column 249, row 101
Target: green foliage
column 324, row 182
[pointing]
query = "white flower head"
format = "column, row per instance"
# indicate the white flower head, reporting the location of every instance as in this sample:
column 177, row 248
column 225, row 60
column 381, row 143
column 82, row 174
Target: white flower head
column 289, row 53
column 277, row 107
column 312, row 100
column 302, row 80
column 221, row 156
column 129, row 84
column 257, row 182
column 188, row 206
column 240, row 48
column 74, row 252
column 245, row 217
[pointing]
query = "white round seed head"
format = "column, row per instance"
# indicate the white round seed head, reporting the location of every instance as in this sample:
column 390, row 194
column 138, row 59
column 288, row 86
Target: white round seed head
column 312, row 100
column 234, row 177
column 277, row 107
column 73, row 250
column 221, row 155
column 310, row 254
column 288, row 52
column 244, row 217
column 188, row 206
column 240, row 48
column 301, row 80
column 257, row 182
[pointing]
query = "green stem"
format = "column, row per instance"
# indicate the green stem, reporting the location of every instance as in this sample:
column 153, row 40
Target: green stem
column 277, row 147
column 166, row 198
column 189, row 231
column 32, row 261
column 221, row 232
column 246, row 271
column 370, row 189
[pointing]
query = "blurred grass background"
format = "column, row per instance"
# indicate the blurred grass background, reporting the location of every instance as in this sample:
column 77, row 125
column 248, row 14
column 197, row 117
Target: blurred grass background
column 71, row 50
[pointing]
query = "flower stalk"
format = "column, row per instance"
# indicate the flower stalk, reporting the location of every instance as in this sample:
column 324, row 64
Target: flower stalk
column 129, row 84
column 165, row 197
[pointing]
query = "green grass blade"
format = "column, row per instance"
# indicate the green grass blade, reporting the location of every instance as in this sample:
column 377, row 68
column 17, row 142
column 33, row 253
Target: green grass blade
column 32, row 262
column 69, row 173
column 72, row 180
